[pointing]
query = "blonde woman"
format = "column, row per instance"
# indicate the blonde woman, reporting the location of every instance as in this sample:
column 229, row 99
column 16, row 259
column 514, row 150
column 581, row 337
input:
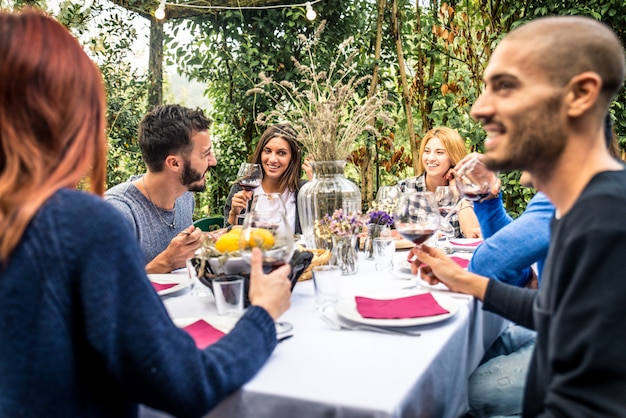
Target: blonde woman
column 440, row 150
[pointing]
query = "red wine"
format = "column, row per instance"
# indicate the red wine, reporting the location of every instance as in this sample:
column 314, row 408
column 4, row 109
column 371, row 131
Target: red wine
column 416, row 235
column 249, row 185
column 445, row 210
column 475, row 196
column 271, row 265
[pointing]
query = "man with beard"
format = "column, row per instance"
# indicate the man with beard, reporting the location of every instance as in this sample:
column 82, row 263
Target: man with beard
column 548, row 87
column 177, row 150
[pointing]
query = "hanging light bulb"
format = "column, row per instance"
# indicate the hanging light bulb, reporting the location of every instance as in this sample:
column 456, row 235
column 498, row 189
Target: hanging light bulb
column 159, row 13
column 310, row 13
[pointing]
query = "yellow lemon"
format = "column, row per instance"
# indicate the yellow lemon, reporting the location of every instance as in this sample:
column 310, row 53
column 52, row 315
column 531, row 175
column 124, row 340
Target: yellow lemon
column 262, row 238
column 227, row 243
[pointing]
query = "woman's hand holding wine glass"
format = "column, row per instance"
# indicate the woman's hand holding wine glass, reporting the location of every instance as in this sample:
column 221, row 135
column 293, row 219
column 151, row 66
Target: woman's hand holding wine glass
column 417, row 218
column 249, row 177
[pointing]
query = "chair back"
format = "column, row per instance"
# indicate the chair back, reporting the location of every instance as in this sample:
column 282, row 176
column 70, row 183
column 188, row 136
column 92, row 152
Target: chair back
column 210, row 223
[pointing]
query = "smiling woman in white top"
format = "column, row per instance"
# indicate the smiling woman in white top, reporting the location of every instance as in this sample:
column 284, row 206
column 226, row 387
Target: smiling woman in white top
column 278, row 153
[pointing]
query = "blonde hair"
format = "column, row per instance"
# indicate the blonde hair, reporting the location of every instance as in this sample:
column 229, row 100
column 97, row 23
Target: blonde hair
column 451, row 140
column 52, row 119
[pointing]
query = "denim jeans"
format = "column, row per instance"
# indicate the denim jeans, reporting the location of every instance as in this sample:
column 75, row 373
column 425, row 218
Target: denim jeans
column 496, row 387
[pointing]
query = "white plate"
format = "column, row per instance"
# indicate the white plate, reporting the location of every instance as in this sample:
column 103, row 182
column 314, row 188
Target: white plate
column 224, row 323
column 347, row 310
column 466, row 244
column 180, row 279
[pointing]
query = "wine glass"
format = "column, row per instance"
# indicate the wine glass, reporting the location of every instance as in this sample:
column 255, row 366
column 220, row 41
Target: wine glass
column 417, row 218
column 386, row 198
column 268, row 202
column 448, row 200
column 269, row 231
column 249, row 177
column 474, row 180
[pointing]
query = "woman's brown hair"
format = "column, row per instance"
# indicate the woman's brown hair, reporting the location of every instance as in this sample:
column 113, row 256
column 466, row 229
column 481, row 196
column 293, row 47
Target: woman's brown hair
column 52, row 119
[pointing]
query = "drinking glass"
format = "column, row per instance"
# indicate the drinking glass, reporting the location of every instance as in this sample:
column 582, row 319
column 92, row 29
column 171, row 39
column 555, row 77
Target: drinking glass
column 249, row 177
column 417, row 218
column 474, row 180
column 449, row 201
column 269, row 231
column 268, row 202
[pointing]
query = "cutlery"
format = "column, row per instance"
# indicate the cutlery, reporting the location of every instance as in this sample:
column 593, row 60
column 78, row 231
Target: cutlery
column 340, row 325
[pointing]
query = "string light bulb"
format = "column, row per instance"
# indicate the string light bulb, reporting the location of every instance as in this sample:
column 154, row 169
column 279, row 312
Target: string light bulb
column 159, row 13
column 310, row 13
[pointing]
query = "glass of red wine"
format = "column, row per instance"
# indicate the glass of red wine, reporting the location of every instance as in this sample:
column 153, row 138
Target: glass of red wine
column 249, row 177
column 416, row 218
column 474, row 180
column 269, row 231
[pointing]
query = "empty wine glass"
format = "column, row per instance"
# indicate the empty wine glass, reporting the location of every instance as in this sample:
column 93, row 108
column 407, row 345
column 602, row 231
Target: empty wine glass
column 386, row 198
column 448, row 200
column 417, row 218
column 268, row 202
column 474, row 180
column 249, row 177
column 269, row 231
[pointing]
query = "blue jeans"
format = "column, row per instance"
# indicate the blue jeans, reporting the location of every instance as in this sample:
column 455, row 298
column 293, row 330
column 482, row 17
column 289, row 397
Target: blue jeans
column 496, row 387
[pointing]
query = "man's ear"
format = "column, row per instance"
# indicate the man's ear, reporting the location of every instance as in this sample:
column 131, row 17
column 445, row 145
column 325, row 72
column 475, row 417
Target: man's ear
column 583, row 92
column 173, row 163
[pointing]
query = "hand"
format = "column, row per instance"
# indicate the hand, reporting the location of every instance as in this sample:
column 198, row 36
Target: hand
column 308, row 169
column 240, row 201
column 495, row 190
column 272, row 291
column 181, row 247
column 439, row 268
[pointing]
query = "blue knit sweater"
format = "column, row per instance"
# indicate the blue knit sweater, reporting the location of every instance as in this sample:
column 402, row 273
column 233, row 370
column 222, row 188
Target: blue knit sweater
column 83, row 333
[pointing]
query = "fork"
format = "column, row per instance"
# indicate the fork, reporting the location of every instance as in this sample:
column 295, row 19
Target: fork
column 340, row 325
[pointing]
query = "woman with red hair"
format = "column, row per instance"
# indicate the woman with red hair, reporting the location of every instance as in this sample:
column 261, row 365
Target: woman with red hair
column 82, row 331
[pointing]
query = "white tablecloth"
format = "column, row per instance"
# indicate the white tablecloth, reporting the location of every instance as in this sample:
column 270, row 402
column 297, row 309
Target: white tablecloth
column 323, row 372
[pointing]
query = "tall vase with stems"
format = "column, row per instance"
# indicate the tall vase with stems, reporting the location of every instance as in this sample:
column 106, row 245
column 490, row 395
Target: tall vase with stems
column 328, row 190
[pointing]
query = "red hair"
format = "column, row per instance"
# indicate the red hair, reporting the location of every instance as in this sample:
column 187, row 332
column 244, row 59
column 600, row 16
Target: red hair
column 52, row 119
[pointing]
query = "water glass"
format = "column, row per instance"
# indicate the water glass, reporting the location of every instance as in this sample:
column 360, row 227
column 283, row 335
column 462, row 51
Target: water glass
column 326, row 280
column 197, row 289
column 228, row 291
column 384, row 251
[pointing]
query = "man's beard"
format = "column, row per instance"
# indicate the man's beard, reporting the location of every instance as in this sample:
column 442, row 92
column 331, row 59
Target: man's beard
column 191, row 177
column 536, row 142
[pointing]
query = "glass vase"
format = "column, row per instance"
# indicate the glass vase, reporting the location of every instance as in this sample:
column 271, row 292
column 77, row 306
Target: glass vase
column 344, row 254
column 327, row 191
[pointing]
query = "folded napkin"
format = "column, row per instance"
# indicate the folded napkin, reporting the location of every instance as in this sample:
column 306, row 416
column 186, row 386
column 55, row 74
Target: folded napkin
column 408, row 307
column 466, row 244
column 203, row 333
column 162, row 286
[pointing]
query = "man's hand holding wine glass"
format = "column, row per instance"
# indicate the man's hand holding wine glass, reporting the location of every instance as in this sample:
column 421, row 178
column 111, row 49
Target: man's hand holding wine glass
column 270, row 291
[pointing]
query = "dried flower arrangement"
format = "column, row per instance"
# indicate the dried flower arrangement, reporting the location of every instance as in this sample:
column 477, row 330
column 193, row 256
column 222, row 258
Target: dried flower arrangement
column 340, row 224
column 328, row 115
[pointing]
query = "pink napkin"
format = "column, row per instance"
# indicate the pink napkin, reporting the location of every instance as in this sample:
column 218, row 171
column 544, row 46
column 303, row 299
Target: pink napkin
column 203, row 333
column 466, row 244
column 460, row 261
column 415, row 306
column 162, row 286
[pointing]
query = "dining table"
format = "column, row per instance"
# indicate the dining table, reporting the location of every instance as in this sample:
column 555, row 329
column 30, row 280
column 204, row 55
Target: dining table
column 322, row 370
